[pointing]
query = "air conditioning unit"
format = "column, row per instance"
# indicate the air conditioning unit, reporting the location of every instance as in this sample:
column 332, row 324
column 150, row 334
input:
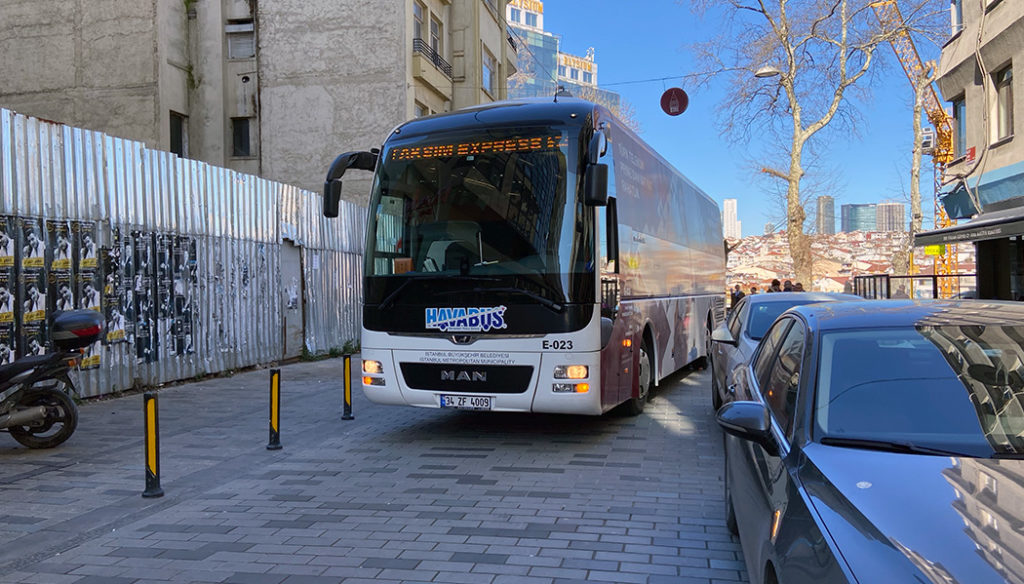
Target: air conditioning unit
column 928, row 140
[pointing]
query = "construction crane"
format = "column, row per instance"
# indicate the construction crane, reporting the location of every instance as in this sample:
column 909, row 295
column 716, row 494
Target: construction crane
column 942, row 152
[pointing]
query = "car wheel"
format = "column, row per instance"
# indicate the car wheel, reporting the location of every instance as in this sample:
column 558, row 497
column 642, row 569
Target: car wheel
column 730, row 511
column 644, row 373
column 716, row 395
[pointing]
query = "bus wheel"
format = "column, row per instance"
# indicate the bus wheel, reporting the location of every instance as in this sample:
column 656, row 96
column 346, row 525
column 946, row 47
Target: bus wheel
column 644, row 372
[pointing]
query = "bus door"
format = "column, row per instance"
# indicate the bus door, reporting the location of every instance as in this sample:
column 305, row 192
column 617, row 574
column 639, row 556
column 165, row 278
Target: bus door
column 617, row 357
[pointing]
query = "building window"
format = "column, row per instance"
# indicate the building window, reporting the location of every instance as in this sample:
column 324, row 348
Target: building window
column 574, row 73
column 490, row 73
column 514, row 14
column 241, row 137
column 959, row 127
column 179, row 134
column 588, row 77
column 241, row 40
column 956, row 15
column 989, row 483
column 435, row 36
column 561, row 70
column 420, row 110
column 531, row 19
column 1004, row 103
column 417, row 20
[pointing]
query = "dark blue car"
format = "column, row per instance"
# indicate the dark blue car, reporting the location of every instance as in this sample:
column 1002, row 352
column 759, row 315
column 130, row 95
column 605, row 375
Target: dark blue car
column 883, row 443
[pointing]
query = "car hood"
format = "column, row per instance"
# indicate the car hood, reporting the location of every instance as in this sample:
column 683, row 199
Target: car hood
column 918, row 518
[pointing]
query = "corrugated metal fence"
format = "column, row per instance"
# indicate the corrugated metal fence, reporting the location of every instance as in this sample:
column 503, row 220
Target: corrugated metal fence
column 183, row 258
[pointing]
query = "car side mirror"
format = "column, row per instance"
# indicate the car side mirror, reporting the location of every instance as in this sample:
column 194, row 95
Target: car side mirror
column 748, row 420
column 722, row 334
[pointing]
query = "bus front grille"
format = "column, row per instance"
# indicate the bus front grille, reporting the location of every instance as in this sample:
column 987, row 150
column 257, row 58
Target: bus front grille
column 457, row 377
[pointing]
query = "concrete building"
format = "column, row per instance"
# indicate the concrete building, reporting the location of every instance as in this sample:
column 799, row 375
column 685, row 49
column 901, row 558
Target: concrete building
column 542, row 67
column 890, row 217
column 825, row 222
column 985, row 180
column 276, row 89
column 731, row 225
column 858, row 217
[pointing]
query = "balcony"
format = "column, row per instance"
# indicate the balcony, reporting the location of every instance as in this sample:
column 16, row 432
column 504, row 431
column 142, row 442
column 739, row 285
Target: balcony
column 420, row 46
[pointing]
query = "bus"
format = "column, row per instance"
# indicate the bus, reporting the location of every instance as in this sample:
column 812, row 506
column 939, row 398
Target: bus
column 530, row 256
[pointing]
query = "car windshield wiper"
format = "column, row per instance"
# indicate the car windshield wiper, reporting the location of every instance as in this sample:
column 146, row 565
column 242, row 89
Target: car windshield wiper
column 555, row 306
column 387, row 302
column 887, row 445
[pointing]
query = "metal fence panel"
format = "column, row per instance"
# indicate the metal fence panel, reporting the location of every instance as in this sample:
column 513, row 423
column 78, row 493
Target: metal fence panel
column 187, row 256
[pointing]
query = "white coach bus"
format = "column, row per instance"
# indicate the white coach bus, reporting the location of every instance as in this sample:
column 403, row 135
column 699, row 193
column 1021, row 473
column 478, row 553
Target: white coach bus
column 530, row 256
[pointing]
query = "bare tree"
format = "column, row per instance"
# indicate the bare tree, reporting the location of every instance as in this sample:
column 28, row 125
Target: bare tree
column 818, row 50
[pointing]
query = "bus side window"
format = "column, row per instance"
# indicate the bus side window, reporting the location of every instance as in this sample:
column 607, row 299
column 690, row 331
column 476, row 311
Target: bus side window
column 608, row 244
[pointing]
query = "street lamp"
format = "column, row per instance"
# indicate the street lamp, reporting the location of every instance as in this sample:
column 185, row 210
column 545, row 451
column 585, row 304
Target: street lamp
column 767, row 71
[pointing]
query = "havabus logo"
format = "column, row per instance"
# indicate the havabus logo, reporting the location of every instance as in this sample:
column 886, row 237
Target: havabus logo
column 463, row 376
column 465, row 320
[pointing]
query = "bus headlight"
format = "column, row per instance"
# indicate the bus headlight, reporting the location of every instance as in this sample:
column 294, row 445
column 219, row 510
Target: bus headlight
column 372, row 367
column 571, row 371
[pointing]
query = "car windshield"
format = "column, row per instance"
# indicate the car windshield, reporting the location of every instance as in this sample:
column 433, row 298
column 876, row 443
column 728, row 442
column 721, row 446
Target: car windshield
column 954, row 388
column 763, row 314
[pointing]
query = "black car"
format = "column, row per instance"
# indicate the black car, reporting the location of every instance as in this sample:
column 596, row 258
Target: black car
column 884, row 443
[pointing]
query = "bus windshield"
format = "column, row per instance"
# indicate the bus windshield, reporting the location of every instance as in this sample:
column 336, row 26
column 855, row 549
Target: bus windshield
column 494, row 209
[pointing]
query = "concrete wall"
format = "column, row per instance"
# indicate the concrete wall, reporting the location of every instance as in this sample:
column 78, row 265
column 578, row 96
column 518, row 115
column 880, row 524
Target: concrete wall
column 91, row 63
column 333, row 79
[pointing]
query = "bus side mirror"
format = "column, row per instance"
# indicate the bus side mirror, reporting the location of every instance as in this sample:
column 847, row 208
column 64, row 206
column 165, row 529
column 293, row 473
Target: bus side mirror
column 332, row 184
column 332, row 198
column 595, row 185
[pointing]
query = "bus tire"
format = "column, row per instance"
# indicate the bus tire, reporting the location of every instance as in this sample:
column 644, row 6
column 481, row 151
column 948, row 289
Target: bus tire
column 645, row 375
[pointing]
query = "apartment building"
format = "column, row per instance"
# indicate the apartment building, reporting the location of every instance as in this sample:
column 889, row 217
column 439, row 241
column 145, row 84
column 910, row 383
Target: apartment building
column 275, row 89
column 984, row 184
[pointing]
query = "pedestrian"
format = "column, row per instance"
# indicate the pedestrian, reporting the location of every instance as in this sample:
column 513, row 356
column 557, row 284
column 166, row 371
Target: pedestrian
column 737, row 295
column 798, row 287
column 787, row 286
column 775, row 286
column 753, row 290
column 901, row 292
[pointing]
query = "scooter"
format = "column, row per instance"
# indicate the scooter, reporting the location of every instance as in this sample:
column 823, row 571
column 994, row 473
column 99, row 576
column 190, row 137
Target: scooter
column 36, row 405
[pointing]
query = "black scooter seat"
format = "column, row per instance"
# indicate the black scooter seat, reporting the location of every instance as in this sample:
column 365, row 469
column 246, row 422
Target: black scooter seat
column 26, row 363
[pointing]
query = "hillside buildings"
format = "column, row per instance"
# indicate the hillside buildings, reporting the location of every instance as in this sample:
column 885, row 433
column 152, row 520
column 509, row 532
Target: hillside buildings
column 990, row 206
column 272, row 89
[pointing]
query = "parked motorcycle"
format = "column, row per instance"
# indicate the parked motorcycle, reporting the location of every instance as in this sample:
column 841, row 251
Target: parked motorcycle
column 36, row 405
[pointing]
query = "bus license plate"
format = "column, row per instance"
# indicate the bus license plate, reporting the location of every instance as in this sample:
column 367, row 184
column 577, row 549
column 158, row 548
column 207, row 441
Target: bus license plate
column 466, row 402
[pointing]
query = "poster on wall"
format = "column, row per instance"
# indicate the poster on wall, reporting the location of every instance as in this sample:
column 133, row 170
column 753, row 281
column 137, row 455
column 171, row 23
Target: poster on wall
column 184, row 267
column 62, row 287
column 32, row 288
column 143, row 296
column 113, row 291
column 33, row 248
column 164, row 275
column 59, row 237
column 86, row 250
column 6, row 345
column 7, row 242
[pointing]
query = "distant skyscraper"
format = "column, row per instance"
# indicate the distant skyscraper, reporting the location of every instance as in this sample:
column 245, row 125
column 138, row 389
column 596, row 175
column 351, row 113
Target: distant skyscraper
column 731, row 227
column 890, row 217
column 826, row 223
column 858, row 217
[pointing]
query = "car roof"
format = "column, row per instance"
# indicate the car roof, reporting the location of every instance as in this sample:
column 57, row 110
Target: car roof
column 909, row 313
column 807, row 297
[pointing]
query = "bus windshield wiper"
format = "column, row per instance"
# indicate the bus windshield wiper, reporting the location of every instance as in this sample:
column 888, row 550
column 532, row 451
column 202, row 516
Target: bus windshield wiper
column 387, row 302
column 555, row 306
column 887, row 445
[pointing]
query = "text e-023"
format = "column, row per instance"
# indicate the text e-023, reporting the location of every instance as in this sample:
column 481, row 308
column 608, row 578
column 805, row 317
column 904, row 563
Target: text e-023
column 556, row 345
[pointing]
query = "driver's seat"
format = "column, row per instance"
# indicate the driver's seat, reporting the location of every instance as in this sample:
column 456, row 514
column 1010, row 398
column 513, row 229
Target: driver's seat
column 456, row 253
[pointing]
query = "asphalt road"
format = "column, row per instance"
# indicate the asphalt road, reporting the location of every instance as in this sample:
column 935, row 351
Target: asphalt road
column 397, row 495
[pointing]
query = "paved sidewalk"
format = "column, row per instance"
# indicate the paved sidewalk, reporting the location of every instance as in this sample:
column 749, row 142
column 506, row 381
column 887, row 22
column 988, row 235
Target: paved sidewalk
column 396, row 495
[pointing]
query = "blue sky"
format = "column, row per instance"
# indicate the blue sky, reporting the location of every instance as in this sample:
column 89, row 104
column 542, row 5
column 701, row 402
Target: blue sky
column 650, row 39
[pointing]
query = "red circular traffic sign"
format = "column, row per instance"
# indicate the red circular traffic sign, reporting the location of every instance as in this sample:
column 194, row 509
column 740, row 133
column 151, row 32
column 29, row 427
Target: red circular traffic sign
column 674, row 101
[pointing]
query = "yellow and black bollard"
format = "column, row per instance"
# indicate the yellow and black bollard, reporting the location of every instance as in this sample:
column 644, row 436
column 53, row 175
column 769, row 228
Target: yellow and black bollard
column 275, row 410
column 152, row 447
column 347, row 414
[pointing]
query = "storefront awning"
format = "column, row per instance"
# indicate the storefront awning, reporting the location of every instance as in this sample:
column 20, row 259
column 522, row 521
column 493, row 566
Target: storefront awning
column 995, row 225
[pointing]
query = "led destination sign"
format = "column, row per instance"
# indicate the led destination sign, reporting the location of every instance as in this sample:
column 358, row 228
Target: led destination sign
column 470, row 148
